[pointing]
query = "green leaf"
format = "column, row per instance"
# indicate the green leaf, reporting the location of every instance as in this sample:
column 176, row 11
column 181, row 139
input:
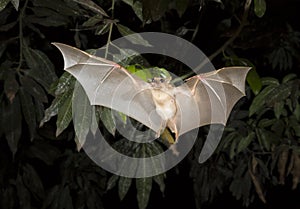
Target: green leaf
column 130, row 58
column 123, row 186
column 33, row 88
column 92, row 21
column 181, row 6
column 15, row 3
column 43, row 11
column 228, row 139
column 279, row 94
column 108, row 120
column 112, row 182
column 11, row 86
column 28, row 110
column 281, row 57
column 260, row 7
column 56, row 104
column 83, row 114
column 232, row 151
column 65, row 83
column 254, row 81
column 265, row 122
column 267, row 81
column 297, row 111
column 278, row 108
column 289, row 77
column 137, row 8
column 244, row 142
column 49, row 21
column 135, row 38
column 278, row 127
column 92, row 6
column 143, row 186
column 145, row 75
column 64, row 116
column 154, row 149
column 3, row 4
column 102, row 29
column 159, row 179
column 260, row 100
column 42, row 69
column 12, row 121
column 265, row 138
column 68, row 8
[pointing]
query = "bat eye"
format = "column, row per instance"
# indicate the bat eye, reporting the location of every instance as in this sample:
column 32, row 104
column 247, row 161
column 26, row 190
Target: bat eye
column 162, row 80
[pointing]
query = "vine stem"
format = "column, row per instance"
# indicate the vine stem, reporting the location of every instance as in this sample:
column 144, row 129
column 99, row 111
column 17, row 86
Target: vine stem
column 108, row 39
column 110, row 28
column 227, row 43
column 22, row 12
column 237, row 32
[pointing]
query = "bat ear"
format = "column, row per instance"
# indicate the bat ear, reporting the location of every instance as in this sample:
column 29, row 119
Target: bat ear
column 72, row 56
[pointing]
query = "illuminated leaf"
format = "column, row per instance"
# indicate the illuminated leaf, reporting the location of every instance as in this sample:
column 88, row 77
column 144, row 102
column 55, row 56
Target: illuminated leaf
column 123, row 186
column 83, row 114
column 136, row 6
column 254, row 81
column 143, row 187
column 56, row 104
column 92, row 6
column 135, row 38
column 260, row 7
column 15, row 3
column 3, row 4
column 64, row 115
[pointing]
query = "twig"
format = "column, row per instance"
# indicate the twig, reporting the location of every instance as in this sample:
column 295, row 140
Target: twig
column 22, row 12
column 110, row 28
column 227, row 43
column 237, row 32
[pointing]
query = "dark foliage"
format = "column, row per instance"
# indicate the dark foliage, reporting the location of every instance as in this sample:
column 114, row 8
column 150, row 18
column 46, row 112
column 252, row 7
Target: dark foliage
column 42, row 164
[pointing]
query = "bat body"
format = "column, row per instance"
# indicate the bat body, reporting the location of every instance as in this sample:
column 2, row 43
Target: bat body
column 203, row 99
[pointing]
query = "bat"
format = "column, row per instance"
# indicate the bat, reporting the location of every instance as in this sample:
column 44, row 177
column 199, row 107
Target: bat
column 203, row 99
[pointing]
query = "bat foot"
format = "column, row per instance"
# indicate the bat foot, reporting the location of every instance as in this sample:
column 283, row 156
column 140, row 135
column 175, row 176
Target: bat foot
column 174, row 150
column 157, row 135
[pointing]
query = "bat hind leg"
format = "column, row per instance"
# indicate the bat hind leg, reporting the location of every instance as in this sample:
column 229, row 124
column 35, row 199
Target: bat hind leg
column 161, row 129
column 172, row 126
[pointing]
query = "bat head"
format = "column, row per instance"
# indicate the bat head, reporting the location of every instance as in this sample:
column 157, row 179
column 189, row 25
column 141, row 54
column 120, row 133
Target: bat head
column 160, row 82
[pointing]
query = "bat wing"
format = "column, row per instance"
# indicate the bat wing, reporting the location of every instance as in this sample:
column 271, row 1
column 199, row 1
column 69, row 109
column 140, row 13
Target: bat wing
column 213, row 95
column 108, row 84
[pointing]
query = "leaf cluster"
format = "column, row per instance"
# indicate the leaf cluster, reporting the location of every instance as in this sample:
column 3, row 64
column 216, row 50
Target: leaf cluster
column 41, row 162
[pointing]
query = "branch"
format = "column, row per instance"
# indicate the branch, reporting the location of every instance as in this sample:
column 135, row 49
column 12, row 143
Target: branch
column 227, row 43
column 237, row 32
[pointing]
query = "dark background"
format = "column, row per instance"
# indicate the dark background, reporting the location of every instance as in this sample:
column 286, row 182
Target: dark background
column 40, row 166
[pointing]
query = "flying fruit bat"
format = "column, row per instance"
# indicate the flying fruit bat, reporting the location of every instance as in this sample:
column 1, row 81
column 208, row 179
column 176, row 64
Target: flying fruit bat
column 203, row 99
